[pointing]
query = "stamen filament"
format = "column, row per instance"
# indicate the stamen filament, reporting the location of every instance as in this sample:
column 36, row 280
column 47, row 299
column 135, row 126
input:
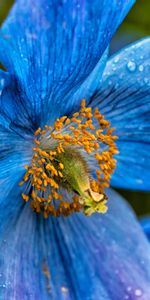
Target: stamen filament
column 60, row 161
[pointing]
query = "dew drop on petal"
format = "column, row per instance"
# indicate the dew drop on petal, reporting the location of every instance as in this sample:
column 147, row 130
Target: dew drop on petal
column 129, row 288
column 145, row 79
column 141, row 68
column 114, row 69
column 131, row 66
column 2, row 81
column 116, row 85
column 116, row 59
column 138, row 292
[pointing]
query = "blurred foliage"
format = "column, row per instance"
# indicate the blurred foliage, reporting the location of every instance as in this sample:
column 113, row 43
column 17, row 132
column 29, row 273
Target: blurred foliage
column 135, row 25
column 4, row 8
column 138, row 20
column 140, row 201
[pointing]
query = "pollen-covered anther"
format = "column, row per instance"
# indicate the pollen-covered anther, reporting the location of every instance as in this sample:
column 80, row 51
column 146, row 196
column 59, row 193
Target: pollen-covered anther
column 64, row 157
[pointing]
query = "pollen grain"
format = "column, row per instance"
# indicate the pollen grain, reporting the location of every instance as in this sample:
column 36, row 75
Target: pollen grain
column 86, row 132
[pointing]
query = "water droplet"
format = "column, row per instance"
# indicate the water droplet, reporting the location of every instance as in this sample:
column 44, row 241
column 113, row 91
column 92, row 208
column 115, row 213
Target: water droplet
column 142, row 262
column 116, row 59
column 131, row 66
column 2, row 81
column 114, row 68
column 146, row 80
column 129, row 288
column 116, row 85
column 139, row 181
column 141, row 68
column 138, row 293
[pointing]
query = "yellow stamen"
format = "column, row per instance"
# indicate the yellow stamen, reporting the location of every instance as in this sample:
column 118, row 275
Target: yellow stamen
column 48, row 172
column 25, row 197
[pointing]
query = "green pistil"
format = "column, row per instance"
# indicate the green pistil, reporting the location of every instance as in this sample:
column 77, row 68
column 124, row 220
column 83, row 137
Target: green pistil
column 76, row 178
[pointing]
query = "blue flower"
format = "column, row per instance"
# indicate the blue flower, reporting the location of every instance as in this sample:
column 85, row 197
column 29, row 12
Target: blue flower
column 55, row 53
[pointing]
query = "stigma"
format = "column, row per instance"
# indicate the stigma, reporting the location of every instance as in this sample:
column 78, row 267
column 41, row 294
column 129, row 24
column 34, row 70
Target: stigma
column 72, row 164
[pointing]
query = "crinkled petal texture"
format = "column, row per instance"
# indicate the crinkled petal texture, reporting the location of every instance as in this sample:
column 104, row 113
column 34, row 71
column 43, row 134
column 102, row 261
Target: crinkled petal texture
column 102, row 257
column 124, row 98
column 52, row 46
column 15, row 152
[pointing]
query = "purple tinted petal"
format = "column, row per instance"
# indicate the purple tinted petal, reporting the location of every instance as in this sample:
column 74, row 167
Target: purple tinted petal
column 100, row 257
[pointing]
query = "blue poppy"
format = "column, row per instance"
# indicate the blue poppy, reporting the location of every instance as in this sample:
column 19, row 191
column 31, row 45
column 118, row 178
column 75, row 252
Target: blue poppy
column 55, row 53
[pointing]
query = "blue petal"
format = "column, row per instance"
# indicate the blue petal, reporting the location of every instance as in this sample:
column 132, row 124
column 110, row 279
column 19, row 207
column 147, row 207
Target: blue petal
column 14, row 116
column 14, row 156
column 103, row 257
column 88, row 87
column 10, row 139
column 53, row 46
column 124, row 98
column 15, row 152
column 11, row 173
column 145, row 222
column 2, row 80
column 13, row 109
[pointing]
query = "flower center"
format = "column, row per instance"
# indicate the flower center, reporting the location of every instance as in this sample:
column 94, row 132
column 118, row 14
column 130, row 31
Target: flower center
column 71, row 165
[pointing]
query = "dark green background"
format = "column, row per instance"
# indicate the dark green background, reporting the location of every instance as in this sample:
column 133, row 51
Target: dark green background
column 135, row 26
